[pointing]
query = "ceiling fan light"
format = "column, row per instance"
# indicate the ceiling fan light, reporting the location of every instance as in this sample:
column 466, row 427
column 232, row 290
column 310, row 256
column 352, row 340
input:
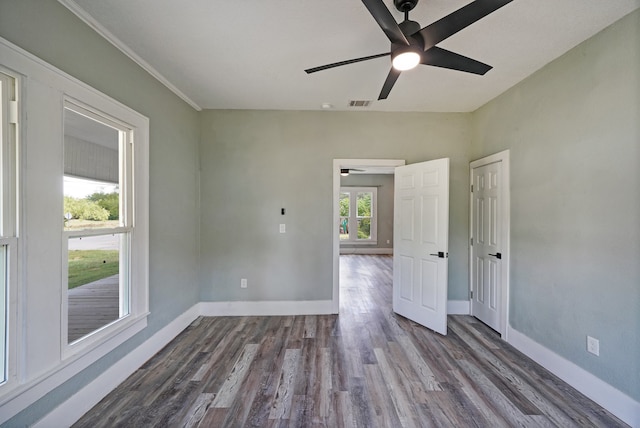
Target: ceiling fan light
column 405, row 60
column 344, row 172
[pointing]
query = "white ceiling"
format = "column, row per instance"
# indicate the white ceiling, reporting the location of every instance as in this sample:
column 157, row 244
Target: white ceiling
column 251, row 54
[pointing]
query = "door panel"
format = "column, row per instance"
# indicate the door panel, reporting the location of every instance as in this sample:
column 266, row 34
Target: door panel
column 421, row 231
column 406, row 278
column 406, row 219
column 430, row 229
column 429, row 284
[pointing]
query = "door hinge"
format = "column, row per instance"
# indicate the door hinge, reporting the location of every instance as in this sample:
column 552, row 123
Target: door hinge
column 471, row 241
column 472, row 188
column 472, row 294
column 13, row 112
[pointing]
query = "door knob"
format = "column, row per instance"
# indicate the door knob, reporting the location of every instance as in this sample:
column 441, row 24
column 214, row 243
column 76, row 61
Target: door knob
column 439, row 254
column 497, row 255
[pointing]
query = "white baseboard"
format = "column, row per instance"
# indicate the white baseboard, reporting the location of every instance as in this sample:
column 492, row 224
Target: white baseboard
column 67, row 413
column 615, row 401
column 266, row 308
column 458, row 307
column 365, row 250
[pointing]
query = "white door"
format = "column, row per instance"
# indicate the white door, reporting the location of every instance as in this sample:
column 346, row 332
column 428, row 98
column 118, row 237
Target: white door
column 421, row 243
column 486, row 246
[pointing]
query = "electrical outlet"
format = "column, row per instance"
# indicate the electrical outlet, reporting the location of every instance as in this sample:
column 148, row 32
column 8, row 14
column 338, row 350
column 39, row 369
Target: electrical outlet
column 243, row 283
column 593, row 345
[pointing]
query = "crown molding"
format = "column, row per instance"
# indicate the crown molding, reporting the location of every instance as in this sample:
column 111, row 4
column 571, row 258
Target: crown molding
column 111, row 38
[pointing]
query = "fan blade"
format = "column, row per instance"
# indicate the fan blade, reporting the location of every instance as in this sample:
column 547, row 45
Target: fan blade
column 439, row 57
column 443, row 28
column 349, row 61
column 386, row 21
column 388, row 84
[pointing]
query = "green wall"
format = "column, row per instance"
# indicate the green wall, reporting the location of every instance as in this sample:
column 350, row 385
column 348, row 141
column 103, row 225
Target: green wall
column 49, row 31
column 573, row 129
column 255, row 162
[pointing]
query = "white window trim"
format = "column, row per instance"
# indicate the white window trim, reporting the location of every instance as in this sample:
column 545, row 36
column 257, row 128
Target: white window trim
column 126, row 229
column 43, row 83
column 8, row 230
column 353, row 190
column 138, row 269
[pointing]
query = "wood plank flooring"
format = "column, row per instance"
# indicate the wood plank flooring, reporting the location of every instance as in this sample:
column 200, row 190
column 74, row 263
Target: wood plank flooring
column 366, row 367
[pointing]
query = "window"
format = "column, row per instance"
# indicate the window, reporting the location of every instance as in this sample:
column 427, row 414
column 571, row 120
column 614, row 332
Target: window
column 98, row 204
column 358, row 218
column 8, row 235
column 106, row 145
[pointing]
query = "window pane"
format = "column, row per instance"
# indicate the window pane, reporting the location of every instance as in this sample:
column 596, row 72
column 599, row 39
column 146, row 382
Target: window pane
column 364, row 228
column 3, row 313
column 96, row 295
column 364, row 204
column 344, row 204
column 92, row 173
column 344, row 228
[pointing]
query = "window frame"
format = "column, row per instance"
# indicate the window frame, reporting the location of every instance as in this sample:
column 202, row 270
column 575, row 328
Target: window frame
column 132, row 260
column 9, row 131
column 38, row 358
column 352, row 222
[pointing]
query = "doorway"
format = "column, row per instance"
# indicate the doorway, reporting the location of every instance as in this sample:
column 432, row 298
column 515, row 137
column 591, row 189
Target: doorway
column 381, row 165
column 489, row 240
column 420, row 220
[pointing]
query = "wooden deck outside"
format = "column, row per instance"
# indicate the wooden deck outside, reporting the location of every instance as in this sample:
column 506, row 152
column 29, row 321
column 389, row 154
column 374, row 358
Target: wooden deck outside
column 92, row 306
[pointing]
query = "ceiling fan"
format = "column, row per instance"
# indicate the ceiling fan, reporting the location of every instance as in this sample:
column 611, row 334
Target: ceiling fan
column 411, row 45
column 345, row 171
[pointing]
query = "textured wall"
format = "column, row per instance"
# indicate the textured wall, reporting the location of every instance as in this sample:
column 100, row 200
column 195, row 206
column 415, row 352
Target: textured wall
column 255, row 162
column 574, row 133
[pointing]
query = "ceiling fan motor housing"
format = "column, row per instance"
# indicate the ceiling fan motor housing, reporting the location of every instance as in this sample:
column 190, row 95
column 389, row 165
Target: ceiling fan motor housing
column 405, row 5
column 409, row 27
column 411, row 30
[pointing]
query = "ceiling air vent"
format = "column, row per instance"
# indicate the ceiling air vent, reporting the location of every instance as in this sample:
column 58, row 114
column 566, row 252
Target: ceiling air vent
column 363, row 103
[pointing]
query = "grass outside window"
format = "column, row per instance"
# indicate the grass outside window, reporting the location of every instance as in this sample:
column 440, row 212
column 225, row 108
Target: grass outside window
column 87, row 266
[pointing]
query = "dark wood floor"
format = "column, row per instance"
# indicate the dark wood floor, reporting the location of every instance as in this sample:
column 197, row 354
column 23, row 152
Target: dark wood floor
column 364, row 368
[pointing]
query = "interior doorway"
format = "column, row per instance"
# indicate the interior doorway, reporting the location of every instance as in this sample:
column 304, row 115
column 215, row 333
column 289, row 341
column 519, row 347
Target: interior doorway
column 379, row 166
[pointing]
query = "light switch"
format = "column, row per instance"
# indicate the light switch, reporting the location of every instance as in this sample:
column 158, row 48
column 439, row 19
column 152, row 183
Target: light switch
column 283, row 229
